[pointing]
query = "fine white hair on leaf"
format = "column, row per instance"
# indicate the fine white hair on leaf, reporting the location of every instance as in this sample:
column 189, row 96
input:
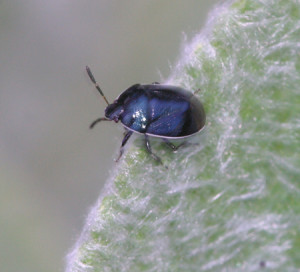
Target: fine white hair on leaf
column 230, row 199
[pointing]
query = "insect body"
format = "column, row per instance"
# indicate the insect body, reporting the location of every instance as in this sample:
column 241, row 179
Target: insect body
column 155, row 110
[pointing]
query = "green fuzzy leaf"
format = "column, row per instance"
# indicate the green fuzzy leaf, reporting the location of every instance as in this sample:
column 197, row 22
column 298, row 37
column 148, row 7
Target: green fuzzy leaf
column 232, row 201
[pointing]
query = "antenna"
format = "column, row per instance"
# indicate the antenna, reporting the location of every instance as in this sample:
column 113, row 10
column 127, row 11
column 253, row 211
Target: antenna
column 88, row 70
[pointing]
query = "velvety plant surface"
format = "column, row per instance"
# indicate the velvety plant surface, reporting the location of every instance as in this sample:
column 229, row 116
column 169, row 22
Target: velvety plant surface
column 230, row 202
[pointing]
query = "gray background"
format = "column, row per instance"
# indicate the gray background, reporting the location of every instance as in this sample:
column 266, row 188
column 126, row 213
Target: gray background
column 52, row 167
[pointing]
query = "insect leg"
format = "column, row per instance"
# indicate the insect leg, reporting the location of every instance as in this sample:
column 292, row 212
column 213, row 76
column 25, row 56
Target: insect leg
column 175, row 148
column 197, row 91
column 172, row 146
column 128, row 133
column 98, row 120
column 169, row 144
column 149, row 149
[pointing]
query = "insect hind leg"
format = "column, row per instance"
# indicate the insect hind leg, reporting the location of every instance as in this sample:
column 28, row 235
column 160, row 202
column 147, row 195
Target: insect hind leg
column 149, row 149
column 174, row 147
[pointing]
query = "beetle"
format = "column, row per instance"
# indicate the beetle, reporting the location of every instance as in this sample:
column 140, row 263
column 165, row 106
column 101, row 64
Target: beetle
column 156, row 110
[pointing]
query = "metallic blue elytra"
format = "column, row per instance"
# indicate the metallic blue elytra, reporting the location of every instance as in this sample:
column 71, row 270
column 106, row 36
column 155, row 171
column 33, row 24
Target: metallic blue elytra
column 156, row 110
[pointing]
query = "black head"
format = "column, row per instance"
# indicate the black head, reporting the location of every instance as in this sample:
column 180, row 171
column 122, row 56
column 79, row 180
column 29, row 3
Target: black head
column 113, row 111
